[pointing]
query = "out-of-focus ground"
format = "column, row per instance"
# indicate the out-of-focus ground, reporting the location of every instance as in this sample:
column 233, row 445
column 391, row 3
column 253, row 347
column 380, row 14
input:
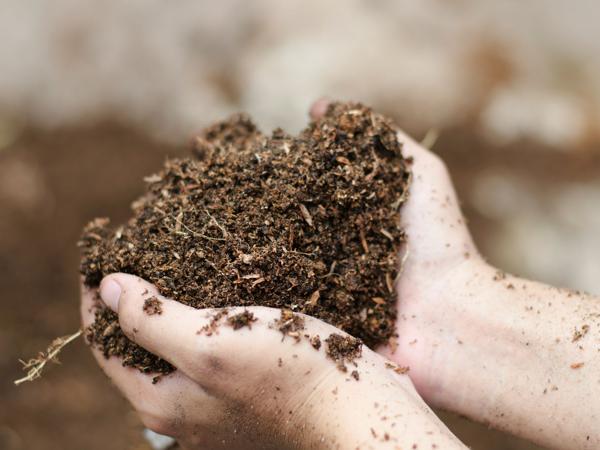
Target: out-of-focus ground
column 94, row 98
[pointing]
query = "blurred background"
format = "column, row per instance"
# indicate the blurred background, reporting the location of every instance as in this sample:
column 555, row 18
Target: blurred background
column 93, row 96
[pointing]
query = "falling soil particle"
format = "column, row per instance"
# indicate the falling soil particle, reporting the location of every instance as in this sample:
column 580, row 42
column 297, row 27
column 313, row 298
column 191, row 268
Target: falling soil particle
column 279, row 221
column 315, row 341
column 290, row 324
column 243, row 319
column 210, row 328
column 343, row 349
column 401, row 370
column 578, row 365
column 152, row 306
column 578, row 334
column 499, row 275
column 355, row 375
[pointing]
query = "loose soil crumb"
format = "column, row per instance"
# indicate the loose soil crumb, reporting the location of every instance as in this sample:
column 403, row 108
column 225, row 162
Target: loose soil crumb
column 499, row 275
column 578, row 334
column 307, row 223
column 152, row 306
column 243, row 319
column 315, row 341
column 343, row 349
column 290, row 324
column 401, row 370
column 355, row 375
column 212, row 327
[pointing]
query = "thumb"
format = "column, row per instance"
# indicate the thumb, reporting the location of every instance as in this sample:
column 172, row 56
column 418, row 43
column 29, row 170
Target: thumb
column 219, row 347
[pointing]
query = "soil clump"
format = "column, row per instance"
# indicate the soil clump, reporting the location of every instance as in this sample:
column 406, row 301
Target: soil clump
column 307, row 223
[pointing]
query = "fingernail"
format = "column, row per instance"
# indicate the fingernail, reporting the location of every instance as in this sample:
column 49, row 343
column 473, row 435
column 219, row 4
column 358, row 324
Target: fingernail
column 110, row 292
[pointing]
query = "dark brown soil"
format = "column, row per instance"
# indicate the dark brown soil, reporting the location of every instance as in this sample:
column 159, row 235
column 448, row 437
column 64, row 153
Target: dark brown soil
column 315, row 341
column 213, row 326
column 343, row 349
column 243, row 319
column 290, row 324
column 307, row 223
column 152, row 306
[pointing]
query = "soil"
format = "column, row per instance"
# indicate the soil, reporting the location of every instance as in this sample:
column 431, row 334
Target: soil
column 343, row 349
column 307, row 223
column 152, row 306
column 243, row 319
column 290, row 324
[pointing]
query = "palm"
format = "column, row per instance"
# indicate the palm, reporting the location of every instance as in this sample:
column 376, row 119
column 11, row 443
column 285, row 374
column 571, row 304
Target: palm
column 439, row 245
column 439, row 250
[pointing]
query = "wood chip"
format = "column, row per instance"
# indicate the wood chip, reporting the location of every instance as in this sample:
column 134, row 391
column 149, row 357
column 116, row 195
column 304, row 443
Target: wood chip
column 314, row 298
column 153, row 178
column 306, row 214
column 387, row 234
column 389, row 282
column 363, row 241
column 400, row 370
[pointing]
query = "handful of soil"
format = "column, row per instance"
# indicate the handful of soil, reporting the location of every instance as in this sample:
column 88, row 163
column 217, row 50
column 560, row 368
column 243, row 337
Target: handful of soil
column 307, row 223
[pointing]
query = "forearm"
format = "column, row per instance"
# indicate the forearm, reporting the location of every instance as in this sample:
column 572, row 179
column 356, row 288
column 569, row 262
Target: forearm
column 524, row 357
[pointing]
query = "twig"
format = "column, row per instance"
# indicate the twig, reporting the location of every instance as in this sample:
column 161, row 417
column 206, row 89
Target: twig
column 35, row 366
column 403, row 262
column 195, row 233
column 430, row 138
column 221, row 227
column 404, row 197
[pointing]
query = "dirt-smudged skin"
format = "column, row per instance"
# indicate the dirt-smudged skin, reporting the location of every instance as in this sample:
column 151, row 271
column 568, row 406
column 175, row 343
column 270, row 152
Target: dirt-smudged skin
column 307, row 223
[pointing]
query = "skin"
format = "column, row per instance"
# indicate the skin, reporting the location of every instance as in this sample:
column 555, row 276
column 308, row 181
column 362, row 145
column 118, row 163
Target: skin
column 490, row 346
column 231, row 391
column 498, row 349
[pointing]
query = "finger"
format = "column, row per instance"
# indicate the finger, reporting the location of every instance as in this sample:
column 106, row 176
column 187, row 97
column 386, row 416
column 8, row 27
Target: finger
column 161, row 406
column 213, row 354
column 319, row 108
column 432, row 215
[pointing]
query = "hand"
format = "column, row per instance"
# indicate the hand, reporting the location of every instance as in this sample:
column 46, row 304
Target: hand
column 515, row 354
column 438, row 256
column 256, row 388
column 438, row 252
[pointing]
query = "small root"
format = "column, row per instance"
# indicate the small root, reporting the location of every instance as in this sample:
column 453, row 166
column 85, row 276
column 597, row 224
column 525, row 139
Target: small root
column 402, row 263
column 430, row 138
column 35, row 366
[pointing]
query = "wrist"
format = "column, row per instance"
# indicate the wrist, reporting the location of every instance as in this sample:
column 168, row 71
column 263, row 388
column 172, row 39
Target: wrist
column 441, row 332
column 475, row 341
column 487, row 348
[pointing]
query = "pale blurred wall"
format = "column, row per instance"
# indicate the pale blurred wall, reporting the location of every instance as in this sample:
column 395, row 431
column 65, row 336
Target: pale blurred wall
column 513, row 70
column 520, row 68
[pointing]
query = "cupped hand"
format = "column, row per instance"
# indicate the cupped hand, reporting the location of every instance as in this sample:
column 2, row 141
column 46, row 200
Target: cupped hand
column 255, row 387
column 438, row 257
